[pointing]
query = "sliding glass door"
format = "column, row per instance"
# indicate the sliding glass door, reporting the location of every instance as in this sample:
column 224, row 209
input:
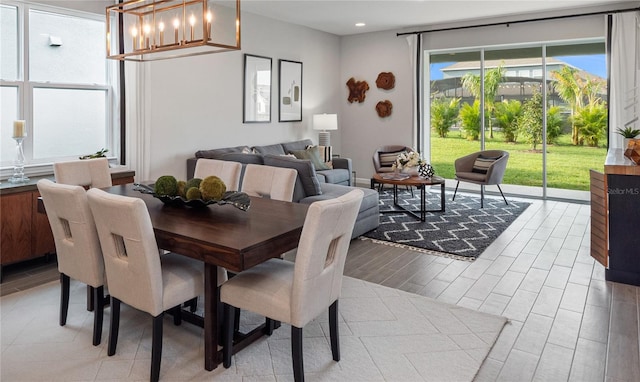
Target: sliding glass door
column 544, row 104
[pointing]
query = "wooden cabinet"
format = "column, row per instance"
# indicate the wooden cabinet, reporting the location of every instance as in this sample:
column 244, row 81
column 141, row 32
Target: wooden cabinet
column 25, row 232
column 615, row 218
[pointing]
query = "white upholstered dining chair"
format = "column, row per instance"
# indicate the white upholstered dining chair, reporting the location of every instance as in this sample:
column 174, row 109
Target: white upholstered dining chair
column 77, row 246
column 296, row 293
column 136, row 273
column 270, row 182
column 87, row 173
column 228, row 171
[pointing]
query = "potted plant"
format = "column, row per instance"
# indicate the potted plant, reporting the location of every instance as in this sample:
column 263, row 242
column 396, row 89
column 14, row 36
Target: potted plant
column 628, row 133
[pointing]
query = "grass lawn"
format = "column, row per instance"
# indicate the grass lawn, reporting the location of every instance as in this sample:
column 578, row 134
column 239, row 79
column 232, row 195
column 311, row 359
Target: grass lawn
column 567, row 165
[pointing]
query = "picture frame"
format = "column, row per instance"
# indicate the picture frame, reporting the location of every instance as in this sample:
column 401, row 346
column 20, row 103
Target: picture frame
column 289, row 91
column 256, row 94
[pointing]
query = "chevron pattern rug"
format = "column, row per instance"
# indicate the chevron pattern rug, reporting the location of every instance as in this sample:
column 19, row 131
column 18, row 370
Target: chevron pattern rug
column 463, row 231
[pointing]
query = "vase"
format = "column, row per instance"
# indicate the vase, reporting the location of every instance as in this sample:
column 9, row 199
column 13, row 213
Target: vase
column 426, row 170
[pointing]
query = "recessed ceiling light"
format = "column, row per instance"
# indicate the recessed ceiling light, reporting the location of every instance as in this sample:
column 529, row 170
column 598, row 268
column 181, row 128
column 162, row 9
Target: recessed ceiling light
column 360, row 24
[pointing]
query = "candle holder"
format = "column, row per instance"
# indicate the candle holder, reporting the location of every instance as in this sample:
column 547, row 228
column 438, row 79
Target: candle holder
column 18, row 164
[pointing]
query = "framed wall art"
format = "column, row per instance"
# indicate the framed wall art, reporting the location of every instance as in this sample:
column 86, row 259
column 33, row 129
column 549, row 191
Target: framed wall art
column 290, row 91
column 256, row 107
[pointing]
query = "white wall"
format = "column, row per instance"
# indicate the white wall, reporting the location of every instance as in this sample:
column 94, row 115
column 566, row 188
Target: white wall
column 360, row 128
column 195, row 103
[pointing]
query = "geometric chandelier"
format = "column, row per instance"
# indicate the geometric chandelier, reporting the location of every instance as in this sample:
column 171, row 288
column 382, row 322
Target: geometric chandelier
column 149, row 30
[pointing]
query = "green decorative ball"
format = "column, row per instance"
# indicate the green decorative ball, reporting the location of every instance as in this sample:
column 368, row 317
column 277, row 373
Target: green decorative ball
column 212, row 188
column 193, row 193
column 166, row 185
column 182, row 189
column 195, row 182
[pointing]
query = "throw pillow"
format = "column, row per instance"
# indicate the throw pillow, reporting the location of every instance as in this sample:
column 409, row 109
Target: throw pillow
column 482, row 164
column 387, row 159
column 306, row 172
column 313, row 156
column 325, row 153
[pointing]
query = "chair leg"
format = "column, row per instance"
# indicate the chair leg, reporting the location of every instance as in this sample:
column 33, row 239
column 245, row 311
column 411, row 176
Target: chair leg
column 334, row 332
column 482, row 196
column 227, row 332
column 269, row 326
column 113, row 328
column 98, row 297
column 156, row 347
column 296, row 354
column 64, row 298
column 455, row 191
column 505, row 199
column 177, row 315
column 90, row 299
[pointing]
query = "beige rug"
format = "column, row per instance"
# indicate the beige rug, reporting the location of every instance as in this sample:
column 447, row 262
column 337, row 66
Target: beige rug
column 386, row 335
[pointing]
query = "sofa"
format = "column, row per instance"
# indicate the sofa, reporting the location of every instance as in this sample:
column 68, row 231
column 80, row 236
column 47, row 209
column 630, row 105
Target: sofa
column 311, row 185
column 339, row 174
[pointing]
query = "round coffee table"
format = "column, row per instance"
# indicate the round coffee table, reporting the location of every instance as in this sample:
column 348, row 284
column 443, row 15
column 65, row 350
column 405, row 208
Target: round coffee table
column 400, row 179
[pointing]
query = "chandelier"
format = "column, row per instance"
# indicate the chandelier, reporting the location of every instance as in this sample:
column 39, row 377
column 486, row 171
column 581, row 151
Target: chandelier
column 149, row 30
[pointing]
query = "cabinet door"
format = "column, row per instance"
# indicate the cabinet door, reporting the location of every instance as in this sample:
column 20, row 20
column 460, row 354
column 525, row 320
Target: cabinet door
column 15, row 216
column 42, row 238
column 599, row 218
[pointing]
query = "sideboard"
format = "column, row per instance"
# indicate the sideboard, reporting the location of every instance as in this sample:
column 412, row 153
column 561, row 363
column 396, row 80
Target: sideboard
column 25, row 233
column 615, row 218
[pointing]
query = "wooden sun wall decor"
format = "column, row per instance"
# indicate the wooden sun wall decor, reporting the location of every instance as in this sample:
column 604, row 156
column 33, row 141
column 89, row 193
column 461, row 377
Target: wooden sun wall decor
column 357, row 90
column 386, row 81
column 384, row 108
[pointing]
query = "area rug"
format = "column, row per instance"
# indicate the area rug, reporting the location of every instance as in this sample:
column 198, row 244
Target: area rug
column 385, row 335
column 463, row 231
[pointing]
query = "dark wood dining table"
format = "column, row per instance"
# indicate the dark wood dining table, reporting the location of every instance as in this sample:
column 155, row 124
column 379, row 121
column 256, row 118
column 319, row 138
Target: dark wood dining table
column 222, row 236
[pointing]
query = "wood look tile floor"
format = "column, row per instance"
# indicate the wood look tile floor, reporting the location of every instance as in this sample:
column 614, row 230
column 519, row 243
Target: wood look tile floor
column 566, row 322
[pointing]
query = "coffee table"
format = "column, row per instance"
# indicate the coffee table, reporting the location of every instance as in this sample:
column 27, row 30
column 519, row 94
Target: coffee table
column 400, row 179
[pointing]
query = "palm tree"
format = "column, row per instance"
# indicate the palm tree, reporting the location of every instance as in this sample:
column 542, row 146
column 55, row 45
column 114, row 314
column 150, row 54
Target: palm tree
column 492, row 79
column 507, row 114
column 569, row 87
column 444, row 114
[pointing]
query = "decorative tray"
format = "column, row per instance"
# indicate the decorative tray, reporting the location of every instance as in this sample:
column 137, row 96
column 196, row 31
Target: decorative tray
column 237, row 199
column 395, row 176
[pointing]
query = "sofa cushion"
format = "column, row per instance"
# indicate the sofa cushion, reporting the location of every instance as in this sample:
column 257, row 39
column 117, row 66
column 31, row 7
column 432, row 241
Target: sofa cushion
column 336, row 176
column 296, row 145
column 387, row 159
column 243, row 158
column 270, row 149
column 306, row 172
column 330, row 191
column 216, row 153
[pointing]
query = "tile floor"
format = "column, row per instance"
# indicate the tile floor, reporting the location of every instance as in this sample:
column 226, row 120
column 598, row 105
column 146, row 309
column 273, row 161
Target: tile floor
column 566, row 322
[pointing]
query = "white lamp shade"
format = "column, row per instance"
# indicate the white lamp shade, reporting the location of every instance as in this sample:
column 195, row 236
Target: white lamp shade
column 325, row 122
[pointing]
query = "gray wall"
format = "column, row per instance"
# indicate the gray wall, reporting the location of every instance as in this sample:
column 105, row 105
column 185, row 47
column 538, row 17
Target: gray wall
column 195, row 103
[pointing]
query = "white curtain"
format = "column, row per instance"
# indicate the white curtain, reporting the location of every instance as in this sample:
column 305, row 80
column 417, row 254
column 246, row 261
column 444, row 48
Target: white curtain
column 624, row 95
column 413, row 42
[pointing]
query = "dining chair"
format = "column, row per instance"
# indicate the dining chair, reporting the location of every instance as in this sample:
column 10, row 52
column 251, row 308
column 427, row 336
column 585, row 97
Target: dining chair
column 270, row 182
column 484, row 168
column 87, row 173
column 136, row 272
column 228, row 171
column 296, row 293
column 77, row 246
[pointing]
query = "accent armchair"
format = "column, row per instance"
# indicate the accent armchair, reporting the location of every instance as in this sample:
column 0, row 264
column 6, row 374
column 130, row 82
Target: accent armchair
column 483, row 168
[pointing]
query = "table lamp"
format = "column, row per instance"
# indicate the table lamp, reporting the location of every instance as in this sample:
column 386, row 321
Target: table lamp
column 325, row 122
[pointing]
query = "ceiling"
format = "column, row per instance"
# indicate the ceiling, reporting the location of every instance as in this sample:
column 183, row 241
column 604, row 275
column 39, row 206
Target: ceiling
column 339, row 17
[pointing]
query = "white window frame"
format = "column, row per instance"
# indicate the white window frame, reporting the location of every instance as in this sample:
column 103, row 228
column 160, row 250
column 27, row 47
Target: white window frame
column 26, row 88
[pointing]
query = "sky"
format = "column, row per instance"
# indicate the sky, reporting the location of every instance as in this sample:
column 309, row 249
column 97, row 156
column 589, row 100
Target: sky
column 594, row 64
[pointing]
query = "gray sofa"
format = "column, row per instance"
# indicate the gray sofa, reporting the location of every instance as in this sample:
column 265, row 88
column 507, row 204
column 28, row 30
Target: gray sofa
column 311, row 185
column 340, row 174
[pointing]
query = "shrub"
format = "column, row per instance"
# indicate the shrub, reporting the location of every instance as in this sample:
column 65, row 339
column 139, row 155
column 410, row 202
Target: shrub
column 444, row 114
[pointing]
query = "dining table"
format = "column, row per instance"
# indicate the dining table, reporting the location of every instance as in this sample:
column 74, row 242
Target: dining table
column 223, row 236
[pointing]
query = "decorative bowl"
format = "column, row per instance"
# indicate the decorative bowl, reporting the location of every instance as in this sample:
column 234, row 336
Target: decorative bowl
column 237, row 199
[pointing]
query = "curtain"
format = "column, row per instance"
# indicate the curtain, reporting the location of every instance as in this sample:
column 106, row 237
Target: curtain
column 138, row 131
column 415, row 52
column 624, row 95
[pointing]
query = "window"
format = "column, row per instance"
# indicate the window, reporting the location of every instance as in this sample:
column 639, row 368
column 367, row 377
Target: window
column 54, row 74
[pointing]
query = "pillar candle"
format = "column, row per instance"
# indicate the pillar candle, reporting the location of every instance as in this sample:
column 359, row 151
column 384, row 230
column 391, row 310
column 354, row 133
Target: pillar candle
column 19, row 130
